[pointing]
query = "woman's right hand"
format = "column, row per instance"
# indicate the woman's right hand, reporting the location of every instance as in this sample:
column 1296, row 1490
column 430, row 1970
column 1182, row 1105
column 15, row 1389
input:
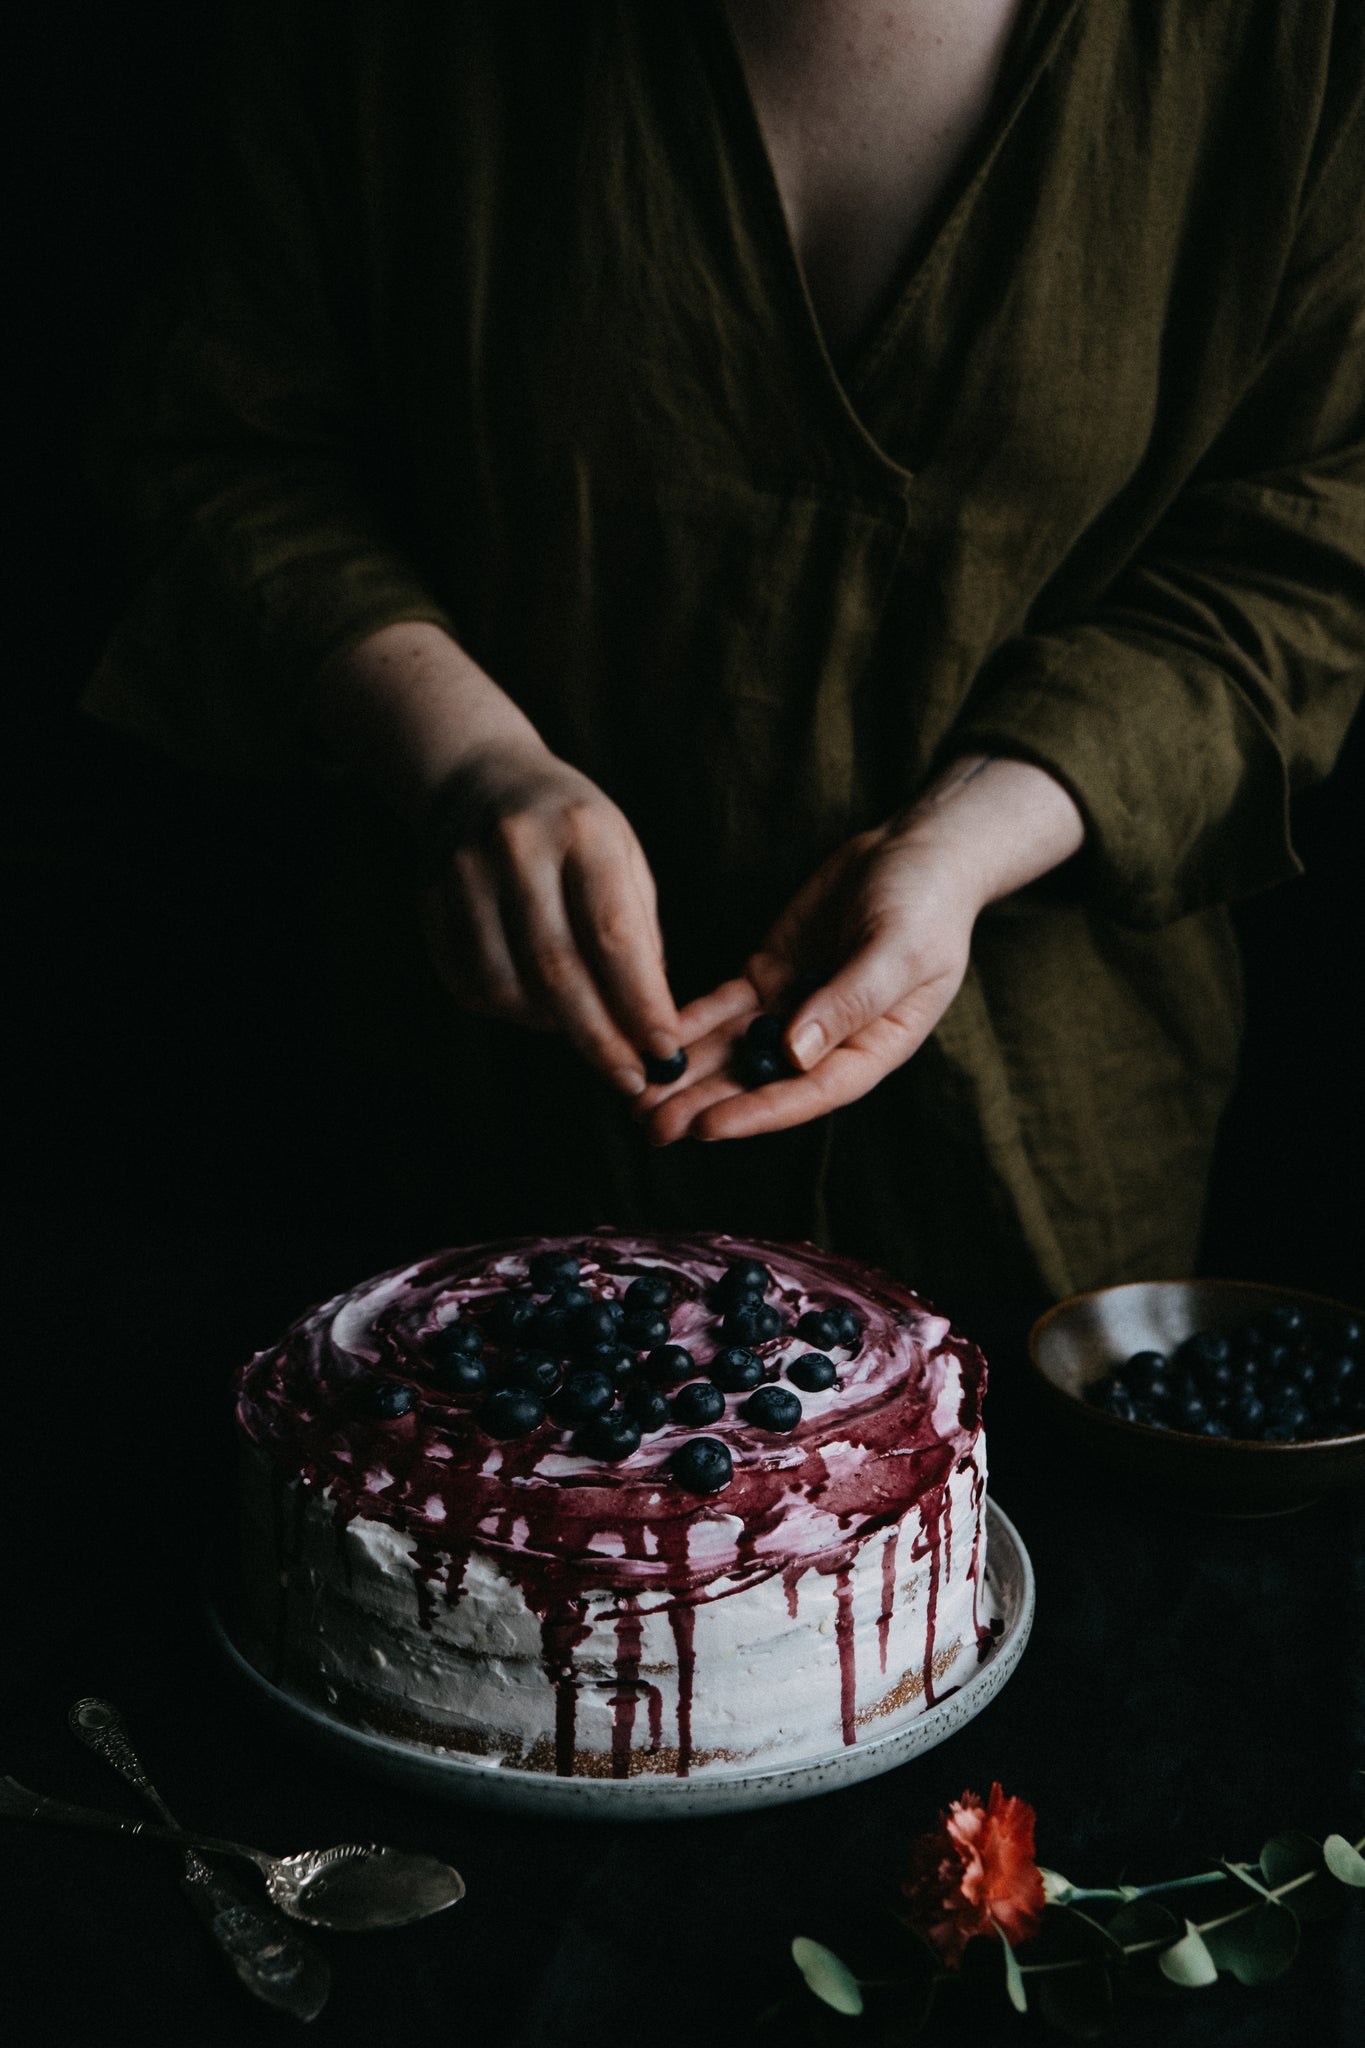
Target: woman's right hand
column 542, row 907
column 543, row 910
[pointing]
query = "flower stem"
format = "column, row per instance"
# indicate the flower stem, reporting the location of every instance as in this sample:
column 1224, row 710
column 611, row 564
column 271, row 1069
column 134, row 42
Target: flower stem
column 1137, row 1948
column 1141, row 1891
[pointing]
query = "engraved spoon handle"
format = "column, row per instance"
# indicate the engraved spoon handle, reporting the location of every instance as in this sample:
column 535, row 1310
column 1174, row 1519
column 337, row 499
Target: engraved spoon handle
column 17, row 1802
column 100, row 1726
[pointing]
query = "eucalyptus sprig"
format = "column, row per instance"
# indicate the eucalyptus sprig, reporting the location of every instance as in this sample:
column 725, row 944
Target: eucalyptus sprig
column 1076, row 1957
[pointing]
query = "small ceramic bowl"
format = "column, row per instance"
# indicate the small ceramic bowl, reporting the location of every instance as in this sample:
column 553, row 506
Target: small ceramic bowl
column 1089, row 1336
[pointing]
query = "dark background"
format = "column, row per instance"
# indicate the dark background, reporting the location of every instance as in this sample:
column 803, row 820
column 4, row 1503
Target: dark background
column 189, row 1158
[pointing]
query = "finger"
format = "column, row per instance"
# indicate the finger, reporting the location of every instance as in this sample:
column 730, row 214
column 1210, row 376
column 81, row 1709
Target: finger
column 706, row 1058
column 553, row 971
column 720, row 1006
column 845, row 1074
column 880, row 975
column 468, row 948
column 677, row 1117
column 619, row 934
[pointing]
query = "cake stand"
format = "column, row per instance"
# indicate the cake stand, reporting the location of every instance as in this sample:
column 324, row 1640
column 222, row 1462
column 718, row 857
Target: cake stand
column 724, row 1789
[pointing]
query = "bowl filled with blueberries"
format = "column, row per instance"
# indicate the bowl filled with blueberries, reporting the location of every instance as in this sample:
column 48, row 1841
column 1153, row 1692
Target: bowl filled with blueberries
column 1244, row 1398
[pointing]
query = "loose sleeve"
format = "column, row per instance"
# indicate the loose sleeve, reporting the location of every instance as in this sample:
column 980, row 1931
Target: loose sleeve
column 1222, row 669
column 244, row 451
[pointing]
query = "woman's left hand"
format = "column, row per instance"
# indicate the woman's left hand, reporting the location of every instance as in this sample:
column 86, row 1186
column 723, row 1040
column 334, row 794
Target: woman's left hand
column 875, row 946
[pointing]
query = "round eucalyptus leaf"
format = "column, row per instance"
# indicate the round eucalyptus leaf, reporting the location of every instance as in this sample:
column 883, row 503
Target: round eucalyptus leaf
column 1257, row 1946
column 1069, row 1935
column 1343, row 1861
column 1188, row 1961
column 1077, row 2002
column 1143, row 1920
column 833, row 1983
column 1292, row 1856
column 1014, row 1979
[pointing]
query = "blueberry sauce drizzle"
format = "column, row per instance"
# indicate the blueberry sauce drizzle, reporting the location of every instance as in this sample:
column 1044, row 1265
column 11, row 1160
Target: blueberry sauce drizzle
column 565, row 1528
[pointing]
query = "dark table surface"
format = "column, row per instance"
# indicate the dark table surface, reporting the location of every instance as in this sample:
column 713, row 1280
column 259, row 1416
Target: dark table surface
column 1192, row 1685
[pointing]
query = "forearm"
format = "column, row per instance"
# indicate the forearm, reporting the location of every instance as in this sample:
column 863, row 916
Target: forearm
column 997, row 823
column 407, row 710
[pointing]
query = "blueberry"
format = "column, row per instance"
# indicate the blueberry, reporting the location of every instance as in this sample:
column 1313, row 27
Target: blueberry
column 1204, row 1348
column 553, row 1269
column 1275, row 1357
column 752, row 1322
column 615, row 1359
column 461, row 1374
column 459, row 1339
column 1157, row 1391
column 597, row 1323
column 583, row 1395
column 1329, row 1405
column 702, row 1465
column 812, row 1373
column 512, row 1316
column 643, row 1328
column 608, row 1437
column 1340, row 1371
column 512, row 1411
column 1216, row 1377
column 1213, row 1427
column 388, row 1399
column 661, row 1071
column 1121, row 1404
column 1286, row 1320
column 851, row 1329
column 775, row 1408
column 651, row 1290
column 1247, row 1416
column 568, row 1294
column 765, row 1032
column 743, row 1277
column 534, row 1369
column 1348, row 1333
column 1190, row 1413
column 755, row 1069
column 1142, row 1368
column 736, row 1369
column 1306, row 1372
column 822, row 1327
column 1288, row 1412
column 1278, row 1433
column 647, row 1407
column 699, row 1402
column 553, row 1328
column 669, row 1364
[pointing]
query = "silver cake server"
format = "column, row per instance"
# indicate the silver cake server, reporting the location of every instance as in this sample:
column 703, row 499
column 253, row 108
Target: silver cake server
column 272, row 1959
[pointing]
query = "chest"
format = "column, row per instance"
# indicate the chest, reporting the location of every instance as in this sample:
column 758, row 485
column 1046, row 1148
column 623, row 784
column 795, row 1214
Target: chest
column 868, row 108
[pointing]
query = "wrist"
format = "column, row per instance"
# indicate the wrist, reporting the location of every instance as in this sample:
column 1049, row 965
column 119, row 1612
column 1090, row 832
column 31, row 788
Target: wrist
column 409, row 712
column 992, row 825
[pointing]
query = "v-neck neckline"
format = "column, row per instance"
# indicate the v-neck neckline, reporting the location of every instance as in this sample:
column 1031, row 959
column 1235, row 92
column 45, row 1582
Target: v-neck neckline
column 1037, row 30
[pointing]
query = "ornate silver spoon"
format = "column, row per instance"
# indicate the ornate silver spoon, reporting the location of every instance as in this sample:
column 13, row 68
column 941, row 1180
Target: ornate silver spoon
column 273, row 1958
column 351, row 1887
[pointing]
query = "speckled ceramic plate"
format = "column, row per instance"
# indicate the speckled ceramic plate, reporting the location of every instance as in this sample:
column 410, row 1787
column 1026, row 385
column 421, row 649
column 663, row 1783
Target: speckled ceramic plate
column 493, row 1786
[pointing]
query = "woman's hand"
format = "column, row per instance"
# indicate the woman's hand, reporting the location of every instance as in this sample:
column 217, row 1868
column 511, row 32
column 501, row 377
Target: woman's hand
column 541, row 910
column 883, row 930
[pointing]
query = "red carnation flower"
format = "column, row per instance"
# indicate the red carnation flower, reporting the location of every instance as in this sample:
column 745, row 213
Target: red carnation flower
column 975, row 1875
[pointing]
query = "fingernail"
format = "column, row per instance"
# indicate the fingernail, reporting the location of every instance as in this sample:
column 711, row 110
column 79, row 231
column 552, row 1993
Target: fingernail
column 629, row 1080
column 808, row 1044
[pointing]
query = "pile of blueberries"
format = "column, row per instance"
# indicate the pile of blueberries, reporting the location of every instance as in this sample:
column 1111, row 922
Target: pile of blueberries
column 1276, row 1381
column 607, row 1370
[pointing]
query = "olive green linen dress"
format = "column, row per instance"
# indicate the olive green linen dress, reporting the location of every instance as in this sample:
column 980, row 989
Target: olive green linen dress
column 493, row 319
